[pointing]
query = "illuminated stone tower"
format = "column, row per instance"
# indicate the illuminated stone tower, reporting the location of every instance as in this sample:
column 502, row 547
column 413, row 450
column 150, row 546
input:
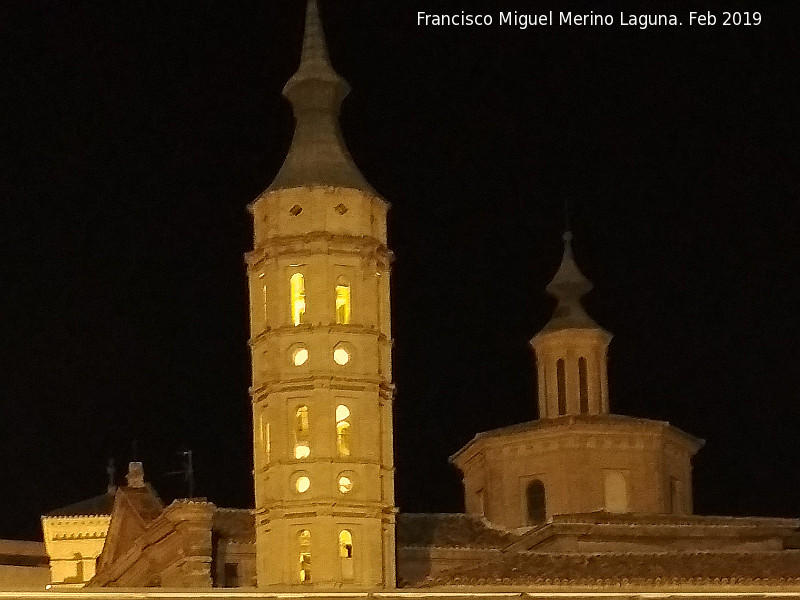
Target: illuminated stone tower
column 321, row 352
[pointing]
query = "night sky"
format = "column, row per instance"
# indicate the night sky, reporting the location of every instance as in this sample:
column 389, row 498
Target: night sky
column 134, row 134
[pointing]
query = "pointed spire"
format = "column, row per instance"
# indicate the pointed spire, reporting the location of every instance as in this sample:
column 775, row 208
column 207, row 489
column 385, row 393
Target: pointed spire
column 568, row 286
column 318, row 154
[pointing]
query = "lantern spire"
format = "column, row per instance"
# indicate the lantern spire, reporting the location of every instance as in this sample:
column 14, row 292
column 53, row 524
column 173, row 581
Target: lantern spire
column 568, row 286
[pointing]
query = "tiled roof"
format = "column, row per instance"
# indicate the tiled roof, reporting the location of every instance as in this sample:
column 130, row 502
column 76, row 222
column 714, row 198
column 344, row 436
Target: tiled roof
column 451, row 530
column 667, row 568
column 144, row 500
column 237, row 524
column 99, row 505
column 568, row 421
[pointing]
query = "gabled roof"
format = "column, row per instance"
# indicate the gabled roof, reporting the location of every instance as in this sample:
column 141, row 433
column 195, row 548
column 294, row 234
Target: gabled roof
column 450, row 530
column 98, row 505
column 134, row 508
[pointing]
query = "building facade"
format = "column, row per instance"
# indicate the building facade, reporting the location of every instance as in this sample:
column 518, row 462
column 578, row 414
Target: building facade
column 577, row 457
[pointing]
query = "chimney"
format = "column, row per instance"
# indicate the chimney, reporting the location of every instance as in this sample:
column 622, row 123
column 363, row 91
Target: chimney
column 135, row 475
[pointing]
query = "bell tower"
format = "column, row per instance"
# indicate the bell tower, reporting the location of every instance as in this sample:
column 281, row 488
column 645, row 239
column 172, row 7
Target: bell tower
column 321, row 352
column 571, row 350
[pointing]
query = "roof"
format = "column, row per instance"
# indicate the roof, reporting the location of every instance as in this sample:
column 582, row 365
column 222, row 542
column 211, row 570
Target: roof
column 144, row 500
column 318, row 155
column 567, row 421
column 236, row 524
column 655, row 568
column 98, row 505
column 22, row 553
column 451, row 530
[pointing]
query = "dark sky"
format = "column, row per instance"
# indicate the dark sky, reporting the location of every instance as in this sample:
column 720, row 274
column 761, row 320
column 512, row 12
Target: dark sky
column 134, row 134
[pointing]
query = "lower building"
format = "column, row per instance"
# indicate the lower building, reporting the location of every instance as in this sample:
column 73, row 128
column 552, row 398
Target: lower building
column 23, row 566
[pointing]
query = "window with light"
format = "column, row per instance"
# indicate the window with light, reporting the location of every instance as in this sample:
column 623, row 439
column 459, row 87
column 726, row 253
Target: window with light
column 299, row 356
column 345, row 484
column 298, row 295
column 346, row 554
column 343, row 430
column 302, row 447
column 342, row 302
column 304, row 543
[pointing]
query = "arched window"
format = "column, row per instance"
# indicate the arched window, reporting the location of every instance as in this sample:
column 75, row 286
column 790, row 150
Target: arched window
column 342, row 301
column 535, row 499
column 343, row 430
column 298, row 295
column 562, row 387
column 301, row 439
column 304, row 540
column 346, row 554
column 583, row 385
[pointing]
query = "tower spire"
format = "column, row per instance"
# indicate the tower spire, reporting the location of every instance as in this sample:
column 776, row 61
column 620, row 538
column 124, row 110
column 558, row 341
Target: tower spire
column 318, row 154
column 568, row 286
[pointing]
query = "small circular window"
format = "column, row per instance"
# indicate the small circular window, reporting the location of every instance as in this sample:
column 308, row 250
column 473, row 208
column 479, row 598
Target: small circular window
column 299, row 356
column 341, row 356
column 301, row 484
column 345, row 484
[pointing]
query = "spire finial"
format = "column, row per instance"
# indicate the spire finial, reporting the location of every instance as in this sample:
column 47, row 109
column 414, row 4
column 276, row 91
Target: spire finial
column 314, row 60
column 567, row 237
column 318, row 155
column 568, row 286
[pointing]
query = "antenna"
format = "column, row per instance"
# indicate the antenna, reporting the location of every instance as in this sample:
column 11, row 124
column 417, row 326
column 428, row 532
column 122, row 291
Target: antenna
column 187, row 470
column 135, row 450
column 566, row 214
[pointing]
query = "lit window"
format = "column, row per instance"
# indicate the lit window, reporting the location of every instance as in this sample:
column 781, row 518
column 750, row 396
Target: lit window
column 342, row 302
column 298, row 294
column 304, row 540
column 265, row 434
column 299, row 356
column 341, row 356
column 345, row 484
column 346, row 554
column 264, row 301
column 301, row 484
column 301, row 435
column 343, row 430
column 562, row 387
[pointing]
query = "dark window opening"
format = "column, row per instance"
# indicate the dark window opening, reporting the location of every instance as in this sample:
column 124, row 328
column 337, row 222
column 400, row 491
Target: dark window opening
column 231, row 575
column 562, row 387
column 584, row 385
column 534, row 494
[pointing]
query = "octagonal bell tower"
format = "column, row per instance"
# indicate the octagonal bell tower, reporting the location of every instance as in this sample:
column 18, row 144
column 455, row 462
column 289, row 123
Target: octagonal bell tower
column 321, row 353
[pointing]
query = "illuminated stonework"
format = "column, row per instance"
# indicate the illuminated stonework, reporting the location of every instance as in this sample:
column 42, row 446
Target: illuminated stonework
column 321, row 354
column 577, row 458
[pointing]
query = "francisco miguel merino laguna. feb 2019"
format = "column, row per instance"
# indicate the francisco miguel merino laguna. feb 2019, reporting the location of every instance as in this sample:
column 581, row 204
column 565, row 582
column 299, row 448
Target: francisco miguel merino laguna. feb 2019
column 591, row 19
